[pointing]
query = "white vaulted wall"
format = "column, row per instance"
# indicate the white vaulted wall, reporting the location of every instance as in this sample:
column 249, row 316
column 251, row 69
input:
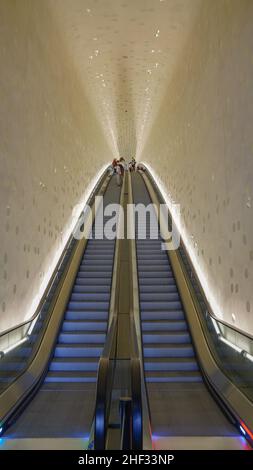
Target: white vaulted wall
column 168, row 81
column 51, row 147
column 201, row 149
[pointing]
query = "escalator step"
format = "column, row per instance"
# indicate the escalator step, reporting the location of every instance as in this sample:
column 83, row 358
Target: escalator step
column 76, row 337
column 83, row 306
column 162, row 315
column 149, row 281
column 81, row 289
column 169, row 325
column 74, row 364
column 77, row 350
column 82, row 297
column 89, row 281
column 75, row 376
column 155, row 274
column 162, row 337
column 173, row 305
column 170, row 364
column 80, row 325
column 86, row 315
column 168, row 350
column 171, row 376
column 159, row 296
column 155, row 289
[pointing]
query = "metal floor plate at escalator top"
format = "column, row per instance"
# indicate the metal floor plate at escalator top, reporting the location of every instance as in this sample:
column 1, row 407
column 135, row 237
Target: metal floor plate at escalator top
column 64, row 405
column 179, row 401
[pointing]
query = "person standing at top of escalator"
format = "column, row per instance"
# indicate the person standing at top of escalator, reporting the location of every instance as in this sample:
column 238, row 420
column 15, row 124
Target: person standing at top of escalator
column 114, row 164
column 119, row 172
column 132, row 164
column 123, row 164
column 140, row 167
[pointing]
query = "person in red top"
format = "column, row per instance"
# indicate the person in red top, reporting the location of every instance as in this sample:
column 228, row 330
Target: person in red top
column 114, row 163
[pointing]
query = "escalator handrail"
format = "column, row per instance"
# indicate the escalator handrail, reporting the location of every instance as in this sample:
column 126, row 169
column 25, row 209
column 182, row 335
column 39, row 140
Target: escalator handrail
column 104, row 387
column 107, row 360
column 209, row 309
column 136, row 391
column 140, row 404
column 56, row 270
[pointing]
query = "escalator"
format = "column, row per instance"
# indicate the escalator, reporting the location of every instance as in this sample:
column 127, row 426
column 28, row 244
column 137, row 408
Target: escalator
column 63, row 406
column 123, row 335
column 183, row 412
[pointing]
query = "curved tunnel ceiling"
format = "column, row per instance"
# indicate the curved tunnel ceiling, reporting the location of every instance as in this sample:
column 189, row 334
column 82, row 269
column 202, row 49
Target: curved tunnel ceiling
column 125, row 52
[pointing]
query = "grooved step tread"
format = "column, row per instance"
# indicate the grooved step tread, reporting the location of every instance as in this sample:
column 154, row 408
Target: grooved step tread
column 72, row 373
column 148, row 281
column 154, row 323
column 169, row 345
column 71, row 376
column 161, row 350
column 173, row 360
column 162, row 364
column 84, row 326
column 162, row 315
column 160, row 305
column 80, row 345
column 75, row 360
column 162, row 333
column 82, row 315
column 158, row 289
column 82, row 286
column 173, row 376
column 81, row 333
column 82, row 306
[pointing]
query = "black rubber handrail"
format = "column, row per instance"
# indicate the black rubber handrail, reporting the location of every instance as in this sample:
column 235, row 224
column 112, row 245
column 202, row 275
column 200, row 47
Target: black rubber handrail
column 136, row 391
column 101, row 406
column 126, row 423
column 131, row 407
column 105, row 379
